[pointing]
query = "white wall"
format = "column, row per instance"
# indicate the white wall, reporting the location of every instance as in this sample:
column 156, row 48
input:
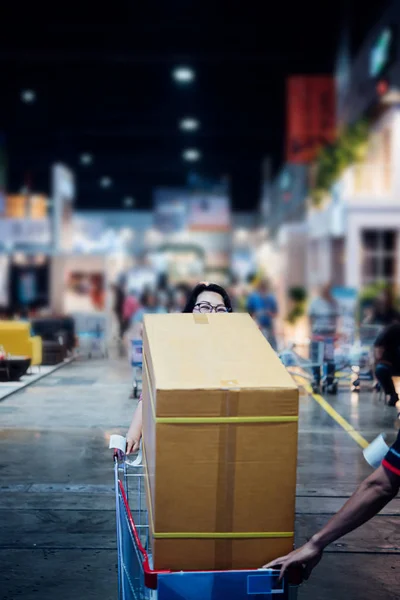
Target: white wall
column 319, row 263
column 376, row 194
column 292, row 252
column 367, row 217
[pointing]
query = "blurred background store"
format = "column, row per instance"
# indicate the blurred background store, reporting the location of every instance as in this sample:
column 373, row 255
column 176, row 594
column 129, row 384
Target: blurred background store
column 145, row 162
column 149, row 146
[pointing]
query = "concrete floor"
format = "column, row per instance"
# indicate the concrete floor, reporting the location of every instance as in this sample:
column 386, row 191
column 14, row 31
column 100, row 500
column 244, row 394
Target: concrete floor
column 57, row 521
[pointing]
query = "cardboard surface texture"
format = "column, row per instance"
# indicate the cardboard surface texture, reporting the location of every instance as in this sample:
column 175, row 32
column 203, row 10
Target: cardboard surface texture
column 220, row 443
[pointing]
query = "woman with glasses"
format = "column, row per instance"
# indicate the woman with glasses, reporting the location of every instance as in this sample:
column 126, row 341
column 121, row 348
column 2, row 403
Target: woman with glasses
column 205, row 298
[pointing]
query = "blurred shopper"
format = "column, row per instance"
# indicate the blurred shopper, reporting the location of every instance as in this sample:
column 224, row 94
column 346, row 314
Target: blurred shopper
column 237, row 295
column 387, row 360
column 149, row 304
column 382, row 314
column 205, row 298
column 262, row 306
column 384, row 311
column 178, row 302
column 366, row 502
column 96, row 291
column 118, row 306
column 163, row 300
column 130, row 307
column 323, row 314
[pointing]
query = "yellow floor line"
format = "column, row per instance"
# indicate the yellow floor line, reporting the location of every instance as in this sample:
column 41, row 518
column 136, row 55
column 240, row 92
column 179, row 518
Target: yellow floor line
column 353, row 433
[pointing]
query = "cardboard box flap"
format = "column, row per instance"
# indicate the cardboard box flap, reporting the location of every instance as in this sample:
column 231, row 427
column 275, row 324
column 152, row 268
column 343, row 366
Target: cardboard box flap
column 215, row 352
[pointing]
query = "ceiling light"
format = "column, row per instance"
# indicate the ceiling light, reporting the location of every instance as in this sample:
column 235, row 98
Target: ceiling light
column 28, row 96
column 183, row 74
column 191, row 155
column 105, row 182
column 86, row 159
column 189, row 124
column 129, row 202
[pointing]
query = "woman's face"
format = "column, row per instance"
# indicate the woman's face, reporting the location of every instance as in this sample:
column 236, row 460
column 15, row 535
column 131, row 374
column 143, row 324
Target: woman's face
column 209, row 302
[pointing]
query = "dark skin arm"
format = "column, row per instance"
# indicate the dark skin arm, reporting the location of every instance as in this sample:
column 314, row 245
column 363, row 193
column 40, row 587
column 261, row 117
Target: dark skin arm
column 378, row 353
column 366, row 502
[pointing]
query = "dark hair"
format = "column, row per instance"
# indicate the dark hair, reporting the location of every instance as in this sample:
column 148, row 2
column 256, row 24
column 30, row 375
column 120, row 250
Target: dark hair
column 203, row 287
column 145, row 297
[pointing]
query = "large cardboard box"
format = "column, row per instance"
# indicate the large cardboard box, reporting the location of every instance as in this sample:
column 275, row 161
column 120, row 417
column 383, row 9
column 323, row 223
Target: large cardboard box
column 220, row 443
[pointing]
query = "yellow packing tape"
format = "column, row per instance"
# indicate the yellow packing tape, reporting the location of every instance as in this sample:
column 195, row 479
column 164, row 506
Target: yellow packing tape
column 223, row 536
column 204, row 535
column 213, row 420
column 217, row 420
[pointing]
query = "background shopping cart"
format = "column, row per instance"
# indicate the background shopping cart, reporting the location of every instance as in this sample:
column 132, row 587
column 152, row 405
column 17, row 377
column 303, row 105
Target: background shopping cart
column 137, row 363
column 137, row 580
column 91, row 331
column 305, row 360
column 362, row 354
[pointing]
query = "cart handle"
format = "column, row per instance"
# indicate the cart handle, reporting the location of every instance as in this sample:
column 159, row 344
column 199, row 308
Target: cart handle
column 150, row 576
column 118, row 445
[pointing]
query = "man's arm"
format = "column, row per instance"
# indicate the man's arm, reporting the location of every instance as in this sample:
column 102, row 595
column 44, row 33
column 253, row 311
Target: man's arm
column 367, row 501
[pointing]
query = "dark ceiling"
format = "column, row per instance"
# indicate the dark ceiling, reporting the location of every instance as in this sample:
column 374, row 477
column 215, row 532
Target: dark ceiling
column 103, row 85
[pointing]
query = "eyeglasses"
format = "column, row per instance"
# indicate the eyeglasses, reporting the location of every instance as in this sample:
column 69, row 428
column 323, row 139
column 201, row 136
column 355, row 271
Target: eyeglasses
column 206, row 307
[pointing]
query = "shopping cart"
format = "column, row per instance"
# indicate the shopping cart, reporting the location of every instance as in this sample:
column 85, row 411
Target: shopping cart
column 138, row 581
column 324, row 331
column 91, row 331
column 361, row 357
column 137, row 363
column 305, row 360
column 269, row 334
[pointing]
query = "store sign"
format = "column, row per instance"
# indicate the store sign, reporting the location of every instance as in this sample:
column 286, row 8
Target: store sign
column 311, row 116
column 381, row 53
column 25, row 232
column 170, row 209
column 209, row 212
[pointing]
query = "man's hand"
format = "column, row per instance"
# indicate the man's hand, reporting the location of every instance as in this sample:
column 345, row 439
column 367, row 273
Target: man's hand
column 308, row 556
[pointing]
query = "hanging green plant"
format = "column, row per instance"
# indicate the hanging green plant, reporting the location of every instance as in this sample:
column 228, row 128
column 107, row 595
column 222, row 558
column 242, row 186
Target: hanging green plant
column 298, row 298
column 350, row 147
column 298, row 294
